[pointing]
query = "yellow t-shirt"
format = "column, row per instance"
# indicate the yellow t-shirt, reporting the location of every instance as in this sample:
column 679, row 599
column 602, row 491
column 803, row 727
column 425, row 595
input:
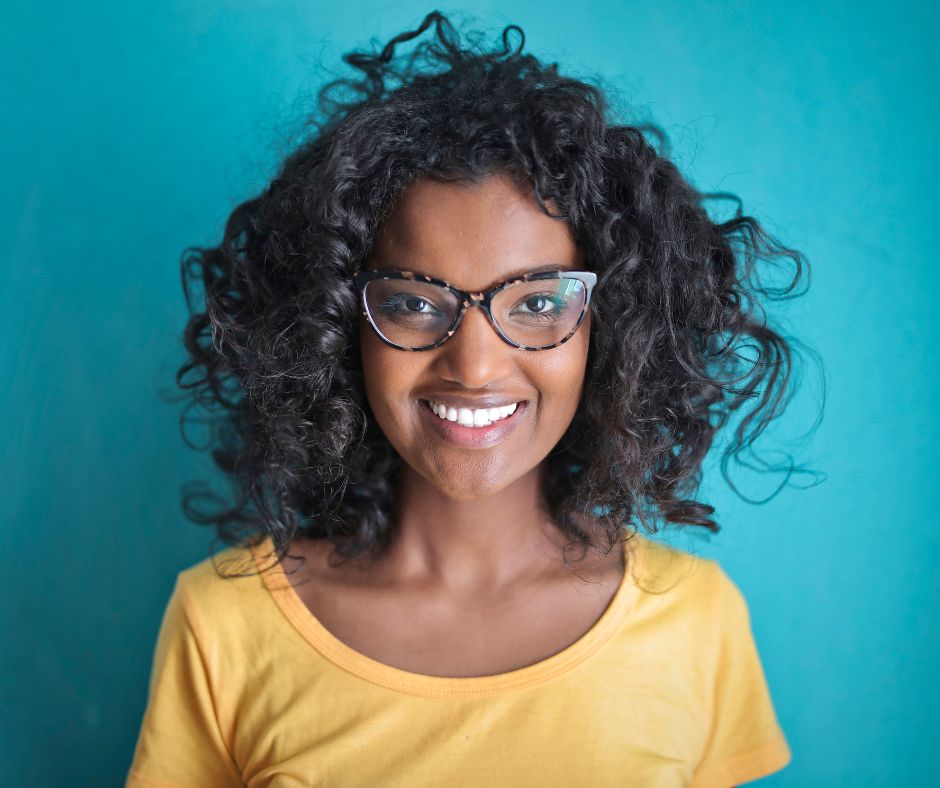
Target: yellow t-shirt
column 666, row 689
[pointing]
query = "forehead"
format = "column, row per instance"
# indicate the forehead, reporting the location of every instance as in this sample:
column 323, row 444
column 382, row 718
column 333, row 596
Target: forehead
column 472, row 234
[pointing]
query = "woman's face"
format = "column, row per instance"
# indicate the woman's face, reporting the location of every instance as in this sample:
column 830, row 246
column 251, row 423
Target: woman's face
column 474, row 236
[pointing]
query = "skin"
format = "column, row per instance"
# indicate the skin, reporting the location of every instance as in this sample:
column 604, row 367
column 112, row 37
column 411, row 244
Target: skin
column 473, row 518
column 474, row 582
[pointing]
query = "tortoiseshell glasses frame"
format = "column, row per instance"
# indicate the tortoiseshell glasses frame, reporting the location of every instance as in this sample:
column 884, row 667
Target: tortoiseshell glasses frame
column 482, row 299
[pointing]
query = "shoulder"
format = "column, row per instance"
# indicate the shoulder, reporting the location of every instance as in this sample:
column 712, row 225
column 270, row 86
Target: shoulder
column 225, row 589
column 683, row 579
column 661, row 567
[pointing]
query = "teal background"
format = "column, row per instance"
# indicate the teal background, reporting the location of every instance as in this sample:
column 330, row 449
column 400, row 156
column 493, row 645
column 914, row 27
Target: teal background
column 131, row 129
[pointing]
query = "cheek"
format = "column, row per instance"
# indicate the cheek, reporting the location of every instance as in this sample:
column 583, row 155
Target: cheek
column 559, row 375
column 386, row 373
column 563, row 368
column 378, row 367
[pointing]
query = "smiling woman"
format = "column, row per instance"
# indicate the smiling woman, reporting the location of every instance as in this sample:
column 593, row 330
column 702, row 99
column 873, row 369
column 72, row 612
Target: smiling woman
column 478, row 368
column 472, row 324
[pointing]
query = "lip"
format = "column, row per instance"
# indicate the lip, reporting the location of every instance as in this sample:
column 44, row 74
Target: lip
column 472, row 437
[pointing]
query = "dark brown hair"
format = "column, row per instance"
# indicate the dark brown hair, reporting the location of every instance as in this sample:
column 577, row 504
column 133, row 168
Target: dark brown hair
column 273, row 336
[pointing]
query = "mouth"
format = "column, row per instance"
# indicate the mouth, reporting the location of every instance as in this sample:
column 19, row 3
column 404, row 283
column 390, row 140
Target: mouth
column 482, row 434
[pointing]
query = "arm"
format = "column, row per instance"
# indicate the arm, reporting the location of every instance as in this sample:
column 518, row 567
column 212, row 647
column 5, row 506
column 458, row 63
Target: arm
column 745, row 742
column 181, row 742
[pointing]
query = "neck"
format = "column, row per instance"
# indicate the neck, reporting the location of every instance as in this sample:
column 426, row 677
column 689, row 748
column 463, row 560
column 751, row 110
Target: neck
column 486, row 542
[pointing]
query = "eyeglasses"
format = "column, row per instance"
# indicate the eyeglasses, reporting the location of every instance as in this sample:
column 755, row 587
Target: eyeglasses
column 534, row 311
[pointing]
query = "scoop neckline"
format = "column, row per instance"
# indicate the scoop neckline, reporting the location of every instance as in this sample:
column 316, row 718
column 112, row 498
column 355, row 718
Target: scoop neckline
column 336, row 651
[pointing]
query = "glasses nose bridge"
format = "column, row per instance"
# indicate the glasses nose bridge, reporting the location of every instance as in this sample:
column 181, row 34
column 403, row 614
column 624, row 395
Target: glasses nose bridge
column 481, row 299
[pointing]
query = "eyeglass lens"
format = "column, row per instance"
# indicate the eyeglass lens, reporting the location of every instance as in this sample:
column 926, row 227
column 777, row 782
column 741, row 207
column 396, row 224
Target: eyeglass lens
column 416, row 314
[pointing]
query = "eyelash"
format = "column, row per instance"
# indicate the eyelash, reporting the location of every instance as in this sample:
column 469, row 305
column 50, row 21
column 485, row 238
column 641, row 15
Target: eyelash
column 393, row 306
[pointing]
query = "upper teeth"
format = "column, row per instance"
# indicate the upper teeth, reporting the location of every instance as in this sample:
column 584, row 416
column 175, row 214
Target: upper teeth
column 473, row 417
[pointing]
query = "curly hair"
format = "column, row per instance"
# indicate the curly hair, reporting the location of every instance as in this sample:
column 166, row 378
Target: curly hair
column 272, row 339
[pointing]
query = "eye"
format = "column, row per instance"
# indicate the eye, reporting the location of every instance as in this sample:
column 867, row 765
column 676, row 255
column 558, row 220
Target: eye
column 408, row 305
column 416, row 304
column 539, row 305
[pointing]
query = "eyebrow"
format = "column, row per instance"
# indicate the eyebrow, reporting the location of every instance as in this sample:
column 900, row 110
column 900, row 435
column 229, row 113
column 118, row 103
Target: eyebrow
column 544, row 269
column 538, row 270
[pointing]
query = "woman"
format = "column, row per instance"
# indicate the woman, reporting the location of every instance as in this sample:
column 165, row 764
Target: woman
column 468, row 338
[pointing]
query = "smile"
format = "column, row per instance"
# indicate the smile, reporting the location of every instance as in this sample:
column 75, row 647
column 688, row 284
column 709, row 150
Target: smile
column 471, row 427
column 472, row 417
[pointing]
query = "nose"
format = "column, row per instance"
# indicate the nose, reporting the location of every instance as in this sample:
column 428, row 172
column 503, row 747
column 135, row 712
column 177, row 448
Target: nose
column 475, row 355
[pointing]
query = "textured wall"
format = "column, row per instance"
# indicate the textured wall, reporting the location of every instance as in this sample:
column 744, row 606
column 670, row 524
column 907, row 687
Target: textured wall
column 129, row 131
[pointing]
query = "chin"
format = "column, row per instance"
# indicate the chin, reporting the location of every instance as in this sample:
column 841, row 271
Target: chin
column 469, row 481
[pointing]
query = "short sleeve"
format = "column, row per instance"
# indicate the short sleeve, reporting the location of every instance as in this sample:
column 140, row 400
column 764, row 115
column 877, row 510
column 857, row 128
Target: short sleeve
column 745, row 741
column 180, row 741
